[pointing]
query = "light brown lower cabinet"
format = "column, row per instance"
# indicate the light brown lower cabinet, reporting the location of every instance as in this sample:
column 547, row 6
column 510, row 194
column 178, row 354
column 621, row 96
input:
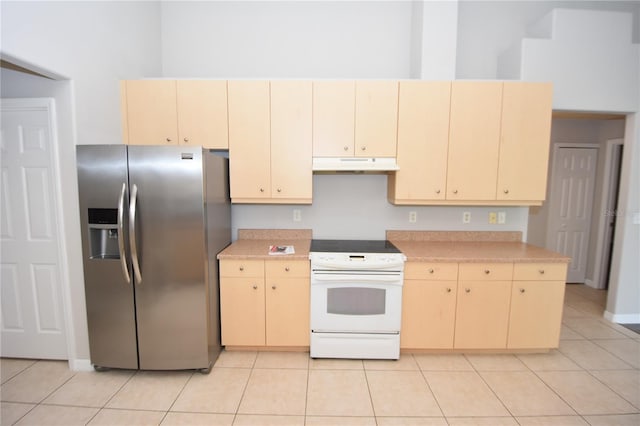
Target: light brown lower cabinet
column 264, row 303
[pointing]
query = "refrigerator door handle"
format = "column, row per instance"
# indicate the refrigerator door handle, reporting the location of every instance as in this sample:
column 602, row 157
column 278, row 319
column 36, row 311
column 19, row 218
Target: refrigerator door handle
column 123, row 259
column 132, row 234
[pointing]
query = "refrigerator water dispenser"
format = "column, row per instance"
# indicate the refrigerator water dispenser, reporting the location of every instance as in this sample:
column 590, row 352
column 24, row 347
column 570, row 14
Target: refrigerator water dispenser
column 103, row 234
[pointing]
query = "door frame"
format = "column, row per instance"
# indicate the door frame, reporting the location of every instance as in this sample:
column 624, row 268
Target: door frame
column 552, row 179
column 48, row 104
column 598, row 281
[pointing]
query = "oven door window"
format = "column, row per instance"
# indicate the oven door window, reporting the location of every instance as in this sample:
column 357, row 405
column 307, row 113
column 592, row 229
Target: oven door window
column 356, row 301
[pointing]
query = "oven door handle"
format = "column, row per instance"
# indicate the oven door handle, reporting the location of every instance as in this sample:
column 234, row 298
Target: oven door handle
column 359, row 280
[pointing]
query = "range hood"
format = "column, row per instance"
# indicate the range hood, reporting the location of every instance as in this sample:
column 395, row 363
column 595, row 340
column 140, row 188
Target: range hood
column 354, row 164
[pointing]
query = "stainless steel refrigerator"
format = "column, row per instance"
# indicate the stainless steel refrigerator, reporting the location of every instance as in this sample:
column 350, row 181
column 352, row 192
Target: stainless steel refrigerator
column 153, row 219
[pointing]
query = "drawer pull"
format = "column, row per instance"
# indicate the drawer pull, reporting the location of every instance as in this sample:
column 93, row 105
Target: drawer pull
column 286, row 268
column 431, row 271
column 487, row 271
column 455, row 191
column 168, row 139
column 273, row 287
column 241, row 268
column 541, row 271
column 506, row 191
column 261, row 189
column 467, row 290
column 522, row 290
column 279, row 189
column 448, row 290
column 255, row 287
column 437, row 191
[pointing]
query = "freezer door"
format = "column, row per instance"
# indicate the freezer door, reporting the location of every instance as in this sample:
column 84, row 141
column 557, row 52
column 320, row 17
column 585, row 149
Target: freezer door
column 169, row 232
column 102, row 185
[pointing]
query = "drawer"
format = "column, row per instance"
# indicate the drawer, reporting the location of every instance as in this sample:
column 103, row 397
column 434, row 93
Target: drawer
column 287, row 268
column 486, row 271
column 540, row 272
column 242, row 268
column 430, row 271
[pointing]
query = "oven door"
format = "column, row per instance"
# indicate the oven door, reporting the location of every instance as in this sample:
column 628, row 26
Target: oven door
column 357, row 303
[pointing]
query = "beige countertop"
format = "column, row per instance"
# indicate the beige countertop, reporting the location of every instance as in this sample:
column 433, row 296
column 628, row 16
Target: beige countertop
column 417, row 246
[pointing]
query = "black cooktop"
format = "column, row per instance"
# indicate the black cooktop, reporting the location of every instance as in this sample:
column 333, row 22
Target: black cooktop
column 353, row 246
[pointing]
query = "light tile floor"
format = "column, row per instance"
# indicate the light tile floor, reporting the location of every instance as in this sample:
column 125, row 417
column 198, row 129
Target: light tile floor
column 592, row 379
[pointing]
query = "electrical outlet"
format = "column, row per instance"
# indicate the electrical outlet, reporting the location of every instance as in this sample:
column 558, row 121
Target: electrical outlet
column 502, row 218
column 413, row 217
column 493, row 218
column 297, row 215
column 466, row 217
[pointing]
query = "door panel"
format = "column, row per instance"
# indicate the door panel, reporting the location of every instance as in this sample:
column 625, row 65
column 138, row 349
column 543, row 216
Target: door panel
column 170, row 240
column 102, row 170
column 571, row 200
column 32, row 323
column 152, row 112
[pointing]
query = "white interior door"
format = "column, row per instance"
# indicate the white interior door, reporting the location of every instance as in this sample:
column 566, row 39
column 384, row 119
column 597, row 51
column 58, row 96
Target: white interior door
column 32, row 321
column 570, row 204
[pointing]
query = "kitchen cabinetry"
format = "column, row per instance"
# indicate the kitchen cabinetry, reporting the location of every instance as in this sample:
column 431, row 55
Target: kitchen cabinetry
column 242, row 308
column 270, row 141
column 355, row 118
column 182, row 112
column 524, row 143
column 428, row 305
column 537, row 298
column 423, row 140
column 264, row 302
column 474, row 136
column 287, row 303
column 482, row 311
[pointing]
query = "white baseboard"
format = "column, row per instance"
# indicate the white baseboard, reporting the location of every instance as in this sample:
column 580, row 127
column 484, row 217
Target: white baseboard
column 80, row 365
column 622, row 318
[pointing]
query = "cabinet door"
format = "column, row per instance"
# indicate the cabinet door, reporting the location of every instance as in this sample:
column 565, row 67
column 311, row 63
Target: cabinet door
column 482, row 314
column 249, row 140
column 428, row 314
column 202, row 113
column 536, row 314
column 423, row 138
column 376, row 124
column 474, row 136
column 524, row 145
column 287, row 311
column 333, row 118
column 242, row 314
column 152, row 117
column 291, row 173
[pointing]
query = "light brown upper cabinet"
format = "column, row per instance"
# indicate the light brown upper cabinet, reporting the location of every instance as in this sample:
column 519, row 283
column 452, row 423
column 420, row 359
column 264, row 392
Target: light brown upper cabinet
column 189, row 112
column 524, row 144
column 249, row 140
column 376, row 122
column 474, row 140
column 334, row 104
column 270, row 141
column 423, row 139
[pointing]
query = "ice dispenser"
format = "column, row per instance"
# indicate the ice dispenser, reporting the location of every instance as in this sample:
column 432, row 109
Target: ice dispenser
column 103, row 233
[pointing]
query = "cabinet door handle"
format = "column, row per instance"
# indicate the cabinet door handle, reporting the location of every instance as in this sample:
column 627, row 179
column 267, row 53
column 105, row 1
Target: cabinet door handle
column 346, row 148
column 431, row 271
column 487, row 271
column 522, row 290
column 279, row 189
column 437, row 191
column 541, row 271
column 455, row 191
column 186, row 140
column 286, row 268
column 467, row 290
column 364, row 148
column 255, row 287
column 261, row 189
column 273, row 287
column 506, row 191
column 168, row 139
column 241, row 268
column 448, row 290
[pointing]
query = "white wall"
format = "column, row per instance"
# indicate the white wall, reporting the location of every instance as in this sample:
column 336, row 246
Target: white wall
column 94, row 45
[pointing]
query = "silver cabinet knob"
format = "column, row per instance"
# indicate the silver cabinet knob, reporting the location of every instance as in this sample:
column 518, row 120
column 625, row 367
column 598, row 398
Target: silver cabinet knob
column 241, row 268
column 522, row 290
column 437, row 191
column 506, row 191
column 168, row 139
column 364, row 148
column 286, row 268
column 346, row 148
column 273, row 287
column 431, row 271
column 455, row 191
column 541, row 271
column 255, row 287
column 186, row 140
column 261, row 189
column 487, row 271
column 279, row 189
column 467, row 290
column 448, row 290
